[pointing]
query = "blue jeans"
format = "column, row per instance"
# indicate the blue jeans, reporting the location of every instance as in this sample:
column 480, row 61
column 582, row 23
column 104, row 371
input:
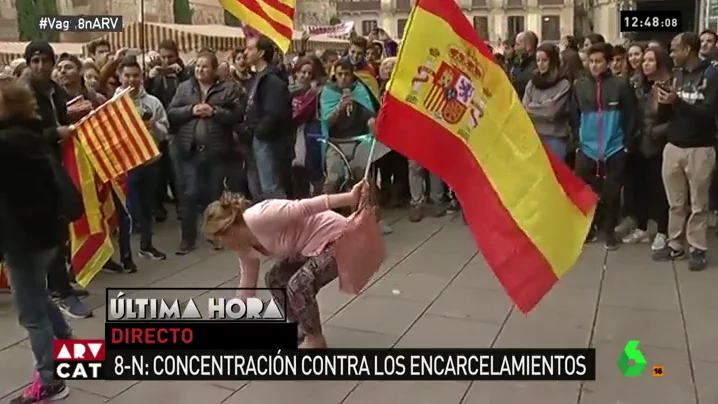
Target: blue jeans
column 143, row 188
column 124, row 222
column 558, row 145
column 201, row 182
column 265, row 163
column 35, row 310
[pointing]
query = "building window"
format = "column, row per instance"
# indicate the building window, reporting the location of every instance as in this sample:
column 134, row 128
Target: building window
column 367, row 26
column 551, row 28
column 481, row 25
column 400, row 27
column 515, row 25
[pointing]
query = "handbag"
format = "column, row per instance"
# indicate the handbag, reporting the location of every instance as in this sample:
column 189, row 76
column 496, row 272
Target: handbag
column 360, row 250
column 71, row 205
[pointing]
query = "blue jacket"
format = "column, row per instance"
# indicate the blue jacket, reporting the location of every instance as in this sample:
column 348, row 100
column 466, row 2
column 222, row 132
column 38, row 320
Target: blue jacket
column 605, row 115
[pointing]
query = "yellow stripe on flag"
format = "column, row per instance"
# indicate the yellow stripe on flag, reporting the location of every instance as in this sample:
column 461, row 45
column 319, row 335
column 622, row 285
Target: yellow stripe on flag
column 115, row 138
column 261, row 16
column 513, row 164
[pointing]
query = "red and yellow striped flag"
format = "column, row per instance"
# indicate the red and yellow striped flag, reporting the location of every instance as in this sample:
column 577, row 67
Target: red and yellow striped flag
column 90, row 243
column 527, row 211
column 115, row 139
column 4, row 280
column 272, row 18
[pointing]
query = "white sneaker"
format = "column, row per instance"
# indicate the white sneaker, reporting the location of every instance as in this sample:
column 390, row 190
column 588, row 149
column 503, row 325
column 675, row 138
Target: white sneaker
column 385, row 228
column 637, row 236
column 659, row 242
column 626, row 226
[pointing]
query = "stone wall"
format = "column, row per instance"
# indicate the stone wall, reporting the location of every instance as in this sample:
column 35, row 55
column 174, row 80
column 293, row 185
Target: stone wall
column 207, row 12
column 315, row 12
column 8, row 21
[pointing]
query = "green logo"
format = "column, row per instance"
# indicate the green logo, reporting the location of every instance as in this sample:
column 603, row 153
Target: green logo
column 632, row 353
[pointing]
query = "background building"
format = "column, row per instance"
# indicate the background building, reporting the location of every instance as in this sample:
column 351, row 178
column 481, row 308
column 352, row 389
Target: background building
column 494, row 20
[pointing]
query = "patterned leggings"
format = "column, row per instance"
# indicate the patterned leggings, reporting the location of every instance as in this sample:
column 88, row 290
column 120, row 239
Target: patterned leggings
column 303, row 280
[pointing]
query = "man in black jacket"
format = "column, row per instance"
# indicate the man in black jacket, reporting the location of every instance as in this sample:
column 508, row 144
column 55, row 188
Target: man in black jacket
column 162, row 83
column 689, row 156
column 525, row 64
column 31, row 229
column 52, row 108
column 204, row 112
column 269, row 121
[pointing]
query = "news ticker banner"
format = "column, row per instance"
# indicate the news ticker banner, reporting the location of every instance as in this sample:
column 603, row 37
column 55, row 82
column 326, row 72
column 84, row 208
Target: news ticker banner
column 98, row 360
column 193, row 304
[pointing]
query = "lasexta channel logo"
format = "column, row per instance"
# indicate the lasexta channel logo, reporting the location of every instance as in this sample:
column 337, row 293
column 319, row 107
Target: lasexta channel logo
column 632, row 362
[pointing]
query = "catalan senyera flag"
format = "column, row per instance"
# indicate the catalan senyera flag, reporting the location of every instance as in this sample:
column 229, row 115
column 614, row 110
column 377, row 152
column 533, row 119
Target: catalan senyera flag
column 451, row 108
column 272, row 18
column 115, row 139
column 90, row 242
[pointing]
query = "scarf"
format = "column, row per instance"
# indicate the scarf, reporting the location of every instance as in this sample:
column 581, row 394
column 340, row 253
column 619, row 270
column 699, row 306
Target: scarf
column 546, row 80
column 304, row 103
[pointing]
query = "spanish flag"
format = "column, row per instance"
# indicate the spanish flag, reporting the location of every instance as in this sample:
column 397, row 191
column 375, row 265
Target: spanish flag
column 272, row 18
column 90, row 243
column 115, row 139
column 527, row 211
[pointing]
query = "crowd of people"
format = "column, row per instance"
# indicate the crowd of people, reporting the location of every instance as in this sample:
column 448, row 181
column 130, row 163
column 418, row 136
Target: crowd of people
column 636, row 121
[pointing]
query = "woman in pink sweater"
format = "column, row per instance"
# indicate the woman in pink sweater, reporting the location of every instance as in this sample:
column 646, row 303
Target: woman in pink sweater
column 299, row 234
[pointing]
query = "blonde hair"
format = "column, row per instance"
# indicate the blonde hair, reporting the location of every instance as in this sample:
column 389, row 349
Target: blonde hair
column 387, row 67
column 224, row 213
column 18, row 100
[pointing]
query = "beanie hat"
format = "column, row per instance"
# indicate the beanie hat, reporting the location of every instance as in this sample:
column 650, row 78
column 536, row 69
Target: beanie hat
column 38, row 47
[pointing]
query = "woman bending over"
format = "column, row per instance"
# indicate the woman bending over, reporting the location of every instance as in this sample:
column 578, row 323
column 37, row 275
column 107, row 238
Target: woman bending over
column 299, row 234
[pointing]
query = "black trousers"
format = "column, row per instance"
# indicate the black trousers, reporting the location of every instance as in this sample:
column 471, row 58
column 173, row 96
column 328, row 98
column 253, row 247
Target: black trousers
column 393, row 169
column 58, row 279
column 606, row 178
column 165, row 178
column 632, row 200
column 649, row 198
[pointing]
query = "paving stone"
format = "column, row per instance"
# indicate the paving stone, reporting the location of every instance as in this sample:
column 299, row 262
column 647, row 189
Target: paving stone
column 545, row 329
column 340, row 337
column 444, row 332
column 407, row 392
column 702, row 334
column 706, row 386
column 417, row 287
column 611, row 387
column 292, row 392
column 173, row 392
column 389, row 316
column 459, row 301
column 522, row 392
column 663, row 329
column 16, row 369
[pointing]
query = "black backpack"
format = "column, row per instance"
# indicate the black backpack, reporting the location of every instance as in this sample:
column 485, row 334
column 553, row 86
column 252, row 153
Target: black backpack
column 70, row 199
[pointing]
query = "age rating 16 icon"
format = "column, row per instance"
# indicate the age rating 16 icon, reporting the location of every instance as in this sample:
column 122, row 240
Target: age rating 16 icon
column 632, row 363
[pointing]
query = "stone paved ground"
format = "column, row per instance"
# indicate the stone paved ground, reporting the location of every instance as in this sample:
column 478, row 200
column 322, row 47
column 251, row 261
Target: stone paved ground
column 447, row 298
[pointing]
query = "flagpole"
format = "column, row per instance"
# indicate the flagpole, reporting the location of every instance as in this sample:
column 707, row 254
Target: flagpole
column 142, row 33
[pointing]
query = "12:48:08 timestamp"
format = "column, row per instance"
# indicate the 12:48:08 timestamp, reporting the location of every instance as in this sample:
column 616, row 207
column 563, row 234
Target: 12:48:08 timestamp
column 645, row 20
